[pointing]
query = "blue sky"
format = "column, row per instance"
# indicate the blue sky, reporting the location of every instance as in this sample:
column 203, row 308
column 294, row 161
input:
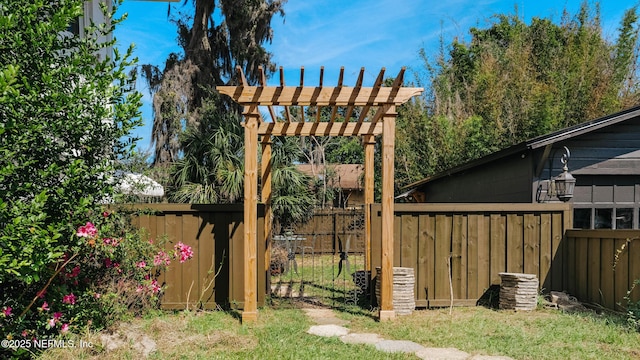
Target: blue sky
column 354, row 34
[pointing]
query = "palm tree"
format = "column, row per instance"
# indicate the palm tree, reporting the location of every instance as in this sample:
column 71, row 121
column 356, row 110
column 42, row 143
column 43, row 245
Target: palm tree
column 211, row 169
column 292, row 198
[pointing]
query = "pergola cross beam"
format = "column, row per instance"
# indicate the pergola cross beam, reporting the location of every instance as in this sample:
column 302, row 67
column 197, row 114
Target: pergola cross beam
column 386, row 99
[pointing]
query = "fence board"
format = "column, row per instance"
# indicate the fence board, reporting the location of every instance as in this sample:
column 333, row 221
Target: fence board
column 484, row 255
column 428, row 271
column 634, row 269
column 207, row 262
column 172, row 298
column 545, row 252
column 606, row 269
column 515, row 254
column 190, row 274
column 472, row 255
column 498, row 248
column 458, row 258
column 531, row 247
column 593, row 270
column 441, row 256
column 409, row 243
column 558, row 281
column 581, row 253
column 621, row 274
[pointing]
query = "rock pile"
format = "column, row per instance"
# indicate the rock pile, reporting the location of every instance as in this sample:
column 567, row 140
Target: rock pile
column 518, row 291
column 404, row 299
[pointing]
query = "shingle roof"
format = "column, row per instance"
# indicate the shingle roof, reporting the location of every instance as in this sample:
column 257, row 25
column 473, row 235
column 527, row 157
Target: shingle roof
column 348, row 176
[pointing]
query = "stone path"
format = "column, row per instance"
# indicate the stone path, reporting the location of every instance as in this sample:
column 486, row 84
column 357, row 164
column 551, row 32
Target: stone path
column 327, row 324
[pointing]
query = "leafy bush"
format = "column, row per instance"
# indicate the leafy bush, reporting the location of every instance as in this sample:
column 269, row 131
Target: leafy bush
column 633, row 308
column 108, row 272
column 67, row 106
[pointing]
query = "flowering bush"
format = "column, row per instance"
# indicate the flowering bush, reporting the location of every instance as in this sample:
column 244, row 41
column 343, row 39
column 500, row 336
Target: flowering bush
column 104, row 276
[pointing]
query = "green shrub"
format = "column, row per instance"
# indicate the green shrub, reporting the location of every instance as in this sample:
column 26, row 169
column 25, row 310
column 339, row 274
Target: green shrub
column 107, row 273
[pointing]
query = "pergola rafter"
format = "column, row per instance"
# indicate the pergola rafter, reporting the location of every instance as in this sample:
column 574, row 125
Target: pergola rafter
column 385, row 99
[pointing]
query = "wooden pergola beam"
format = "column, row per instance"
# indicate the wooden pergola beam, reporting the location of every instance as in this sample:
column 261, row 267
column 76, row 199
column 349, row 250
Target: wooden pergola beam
column 313, row 96
column 319, row 128
column 250, row 311
column 382, row 123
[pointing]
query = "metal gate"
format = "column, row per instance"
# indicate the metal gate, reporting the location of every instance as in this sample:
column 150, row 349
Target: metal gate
column 323, row 261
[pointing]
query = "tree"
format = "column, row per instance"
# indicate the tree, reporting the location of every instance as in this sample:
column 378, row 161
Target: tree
column 65, row 118
column 212, row 50
column 211, row 169
column 514, row 81
column 63, row 125
column 293, row 201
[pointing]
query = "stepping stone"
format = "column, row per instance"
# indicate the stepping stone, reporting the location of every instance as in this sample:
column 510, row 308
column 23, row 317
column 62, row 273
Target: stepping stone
column 366, row 338
column 328, row 330
column 324, row 317
column 404, row 346
column 441, row 354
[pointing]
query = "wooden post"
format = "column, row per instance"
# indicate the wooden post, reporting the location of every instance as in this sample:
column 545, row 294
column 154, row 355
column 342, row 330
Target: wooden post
column 369, row 146
column 386, row 282
column 265, row 168
column 250, row 311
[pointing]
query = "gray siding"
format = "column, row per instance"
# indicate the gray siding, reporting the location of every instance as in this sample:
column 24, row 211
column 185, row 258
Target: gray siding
column 613, row 150
column 507, row 180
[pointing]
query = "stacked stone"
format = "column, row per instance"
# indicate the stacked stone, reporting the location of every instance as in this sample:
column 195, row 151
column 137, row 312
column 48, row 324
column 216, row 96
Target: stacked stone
column 404, row 300
column 518, row 291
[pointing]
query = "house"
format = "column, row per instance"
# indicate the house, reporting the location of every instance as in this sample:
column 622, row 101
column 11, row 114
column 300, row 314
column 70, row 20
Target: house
column 604, row 159
column 345, row 177
column 92, row 13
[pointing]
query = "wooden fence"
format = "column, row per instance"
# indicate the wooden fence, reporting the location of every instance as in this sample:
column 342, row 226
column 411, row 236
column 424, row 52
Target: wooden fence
column 481, row 240
column 329, row 226
column 215, row 232
column 602, row 265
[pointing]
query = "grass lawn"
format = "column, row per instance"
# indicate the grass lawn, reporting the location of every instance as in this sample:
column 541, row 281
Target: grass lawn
column 281, row 334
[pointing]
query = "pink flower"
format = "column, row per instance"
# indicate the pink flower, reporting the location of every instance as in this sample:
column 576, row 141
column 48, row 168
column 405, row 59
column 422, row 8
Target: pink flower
column 141, row 264
column 140, row 288
column 69, row 299
column 57, row 315
column 155, row 287
column 161, row 258
column 88, row 230
column 150, row 241
column 107, row 241
column 7, row 311
column 97, row 295
column 105, row 214
column 184, row 252
column 45, row 306
column 108, row 263
column 64, row 328
column 24, row 333
column 75, row 272
column 52, row 322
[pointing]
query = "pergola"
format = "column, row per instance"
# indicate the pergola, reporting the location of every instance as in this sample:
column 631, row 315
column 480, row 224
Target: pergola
column 381, row 99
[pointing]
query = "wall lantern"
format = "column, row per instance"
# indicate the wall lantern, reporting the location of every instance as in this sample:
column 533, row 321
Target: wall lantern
column 561, row 186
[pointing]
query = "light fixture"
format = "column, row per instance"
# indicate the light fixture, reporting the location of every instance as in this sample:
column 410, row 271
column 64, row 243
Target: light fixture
column 561, row 186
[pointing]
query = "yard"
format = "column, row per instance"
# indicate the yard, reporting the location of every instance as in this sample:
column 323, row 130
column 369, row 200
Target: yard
column 280, row 333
